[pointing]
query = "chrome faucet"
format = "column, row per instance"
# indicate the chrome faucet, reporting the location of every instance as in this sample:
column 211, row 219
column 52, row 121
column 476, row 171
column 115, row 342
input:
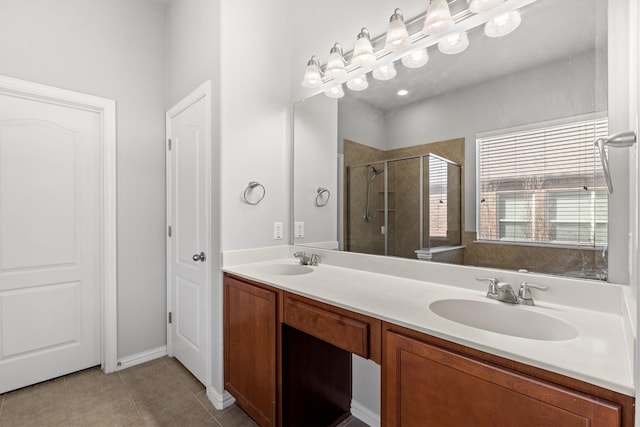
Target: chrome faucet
column 524, row 294
column 502, row 291
column 307, row 259
column 492, row 292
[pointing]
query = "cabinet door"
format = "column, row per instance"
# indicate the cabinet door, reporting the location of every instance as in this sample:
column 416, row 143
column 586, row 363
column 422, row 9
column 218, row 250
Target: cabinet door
column 426, row 385
column 250, row 337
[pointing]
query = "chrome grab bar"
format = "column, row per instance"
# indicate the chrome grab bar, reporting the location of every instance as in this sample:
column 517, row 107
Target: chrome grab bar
column 619, row 140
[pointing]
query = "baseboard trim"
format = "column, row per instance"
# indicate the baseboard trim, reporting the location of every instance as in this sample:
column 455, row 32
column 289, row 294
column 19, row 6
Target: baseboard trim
column 220, row 401
column 145, row 356
column 365, row 415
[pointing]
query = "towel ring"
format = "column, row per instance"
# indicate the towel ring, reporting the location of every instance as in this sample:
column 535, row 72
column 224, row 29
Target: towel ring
column 252, row 185
column 320, row 200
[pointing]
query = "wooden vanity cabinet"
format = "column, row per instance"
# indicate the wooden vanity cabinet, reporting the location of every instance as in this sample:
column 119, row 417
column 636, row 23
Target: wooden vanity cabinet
column 429, row 381
column 250, row 347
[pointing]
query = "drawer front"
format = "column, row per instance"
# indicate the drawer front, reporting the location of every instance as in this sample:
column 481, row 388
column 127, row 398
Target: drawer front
column 340, row 330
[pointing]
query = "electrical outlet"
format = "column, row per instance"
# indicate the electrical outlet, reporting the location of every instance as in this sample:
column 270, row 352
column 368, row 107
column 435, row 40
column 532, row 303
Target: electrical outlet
column 277, row 231
column 299, row 229
column 382, row 229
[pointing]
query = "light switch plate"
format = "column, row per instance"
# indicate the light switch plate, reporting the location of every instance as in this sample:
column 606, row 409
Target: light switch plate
column 277, row 231
column 299, row 233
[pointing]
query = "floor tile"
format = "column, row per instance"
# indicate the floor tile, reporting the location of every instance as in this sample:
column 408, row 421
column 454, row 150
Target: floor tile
column 44, row 404
column 206, row 403
column 192, row 383
column 235, row 417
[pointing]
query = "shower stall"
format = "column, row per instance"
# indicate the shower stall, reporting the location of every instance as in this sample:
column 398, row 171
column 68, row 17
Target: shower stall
column 403, row 207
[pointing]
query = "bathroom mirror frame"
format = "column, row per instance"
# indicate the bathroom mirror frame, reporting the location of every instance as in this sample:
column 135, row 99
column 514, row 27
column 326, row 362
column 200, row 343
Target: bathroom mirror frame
column 617, row 249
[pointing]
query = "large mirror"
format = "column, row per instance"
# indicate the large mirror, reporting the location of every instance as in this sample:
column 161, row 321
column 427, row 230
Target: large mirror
column 480, row 158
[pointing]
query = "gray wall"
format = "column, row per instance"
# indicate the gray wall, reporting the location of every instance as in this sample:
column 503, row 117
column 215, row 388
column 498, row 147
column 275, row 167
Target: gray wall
column 113, row 49
column 193, row 57
column 250, row 123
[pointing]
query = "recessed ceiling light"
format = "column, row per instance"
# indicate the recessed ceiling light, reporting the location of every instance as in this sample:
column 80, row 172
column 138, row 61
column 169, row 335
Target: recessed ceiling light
column 403, row 92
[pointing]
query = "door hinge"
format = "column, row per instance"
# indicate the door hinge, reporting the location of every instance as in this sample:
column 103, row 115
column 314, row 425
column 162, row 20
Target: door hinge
column 170, row 318
column 169, row 230
column 169, row 144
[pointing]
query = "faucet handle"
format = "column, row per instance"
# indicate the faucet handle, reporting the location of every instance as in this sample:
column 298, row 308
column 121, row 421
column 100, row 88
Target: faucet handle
column 314, row 259
column 524, row 293
column 492, row 292
column 492, row 280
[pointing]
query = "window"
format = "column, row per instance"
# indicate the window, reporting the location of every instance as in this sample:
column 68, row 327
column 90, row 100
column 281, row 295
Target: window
column 438, row 222
column 543, row 185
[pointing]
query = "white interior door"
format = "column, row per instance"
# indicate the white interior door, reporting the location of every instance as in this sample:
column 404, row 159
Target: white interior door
column 188, row 246
column 50, row 258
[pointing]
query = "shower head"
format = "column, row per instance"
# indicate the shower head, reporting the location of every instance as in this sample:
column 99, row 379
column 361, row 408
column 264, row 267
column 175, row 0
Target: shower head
column 375, row 171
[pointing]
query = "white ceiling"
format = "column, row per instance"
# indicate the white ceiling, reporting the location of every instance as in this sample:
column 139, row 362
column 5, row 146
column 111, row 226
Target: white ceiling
column 550, row 30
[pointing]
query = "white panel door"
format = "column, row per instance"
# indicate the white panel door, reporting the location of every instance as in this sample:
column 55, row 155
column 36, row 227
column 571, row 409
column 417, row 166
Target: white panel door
column 49, row 240
column 188, row 246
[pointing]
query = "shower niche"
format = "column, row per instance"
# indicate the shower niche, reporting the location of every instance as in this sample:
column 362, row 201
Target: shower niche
column 407, row 207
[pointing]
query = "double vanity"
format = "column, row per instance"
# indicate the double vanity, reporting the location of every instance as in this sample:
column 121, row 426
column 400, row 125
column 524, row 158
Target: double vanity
column 448, row 355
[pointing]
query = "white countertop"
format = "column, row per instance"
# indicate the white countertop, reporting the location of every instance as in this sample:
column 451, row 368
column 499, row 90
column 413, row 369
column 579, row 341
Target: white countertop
column 602, row 354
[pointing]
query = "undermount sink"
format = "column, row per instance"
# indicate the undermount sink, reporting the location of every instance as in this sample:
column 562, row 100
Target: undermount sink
column 286, row 269
column 507, row 319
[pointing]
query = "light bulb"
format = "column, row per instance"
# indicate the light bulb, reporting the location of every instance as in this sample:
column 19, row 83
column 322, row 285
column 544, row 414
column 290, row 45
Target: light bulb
column 438, row 17
column 363, row 51
column 335, row 92
column 358, row 83
column 385, row 72
column 335, row 64
column 503, row 24
column 312, row 77
column 397, row 35
column 453, row 44
column 416, row 59
column 479, row 6
column 403, row 92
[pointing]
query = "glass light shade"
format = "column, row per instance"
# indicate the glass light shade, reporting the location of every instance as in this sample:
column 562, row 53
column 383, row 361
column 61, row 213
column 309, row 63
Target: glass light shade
column 385, row 72
column 358, row 83
column 453, row 44
column 363, row 51
column 438, row 17
column 397, row 35
column 335, row 92
column 312, row 77
column 479, row 6
column 416, row 59
column 503, row 24
column 335, row 64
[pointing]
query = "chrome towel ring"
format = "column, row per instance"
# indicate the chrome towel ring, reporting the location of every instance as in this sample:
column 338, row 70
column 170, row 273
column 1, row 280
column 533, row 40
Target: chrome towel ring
column 249, row 191
column 320, row 199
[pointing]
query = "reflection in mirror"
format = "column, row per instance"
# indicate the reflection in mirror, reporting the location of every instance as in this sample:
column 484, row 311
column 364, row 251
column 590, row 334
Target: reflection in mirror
column 413, row 178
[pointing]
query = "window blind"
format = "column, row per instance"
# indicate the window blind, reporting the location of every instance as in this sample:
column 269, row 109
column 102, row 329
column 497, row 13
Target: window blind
column 543, row 185
column 438, row 187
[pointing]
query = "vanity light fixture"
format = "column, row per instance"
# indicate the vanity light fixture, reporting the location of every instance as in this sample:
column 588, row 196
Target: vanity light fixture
column 479, row 6
column 385, row 72
column 403, row 92
column 312, row 77
column 335, row 64
column 335, row 92
column 438, row 18
column 397, row 35
column 358, row 83
column 503, row 24
column 363, row 51
column 439, row 27
column 454, row 43
column 416, row 58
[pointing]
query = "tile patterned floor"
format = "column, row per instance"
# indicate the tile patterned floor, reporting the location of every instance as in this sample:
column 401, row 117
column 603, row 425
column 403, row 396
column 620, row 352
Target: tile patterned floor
column 157, row 393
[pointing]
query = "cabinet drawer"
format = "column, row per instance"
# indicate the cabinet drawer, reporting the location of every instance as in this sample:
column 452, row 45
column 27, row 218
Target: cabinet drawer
column 335, row 326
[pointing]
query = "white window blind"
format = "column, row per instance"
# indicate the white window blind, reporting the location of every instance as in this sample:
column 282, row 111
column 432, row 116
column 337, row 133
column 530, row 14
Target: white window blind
column 543, row 185
column 438, row 222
